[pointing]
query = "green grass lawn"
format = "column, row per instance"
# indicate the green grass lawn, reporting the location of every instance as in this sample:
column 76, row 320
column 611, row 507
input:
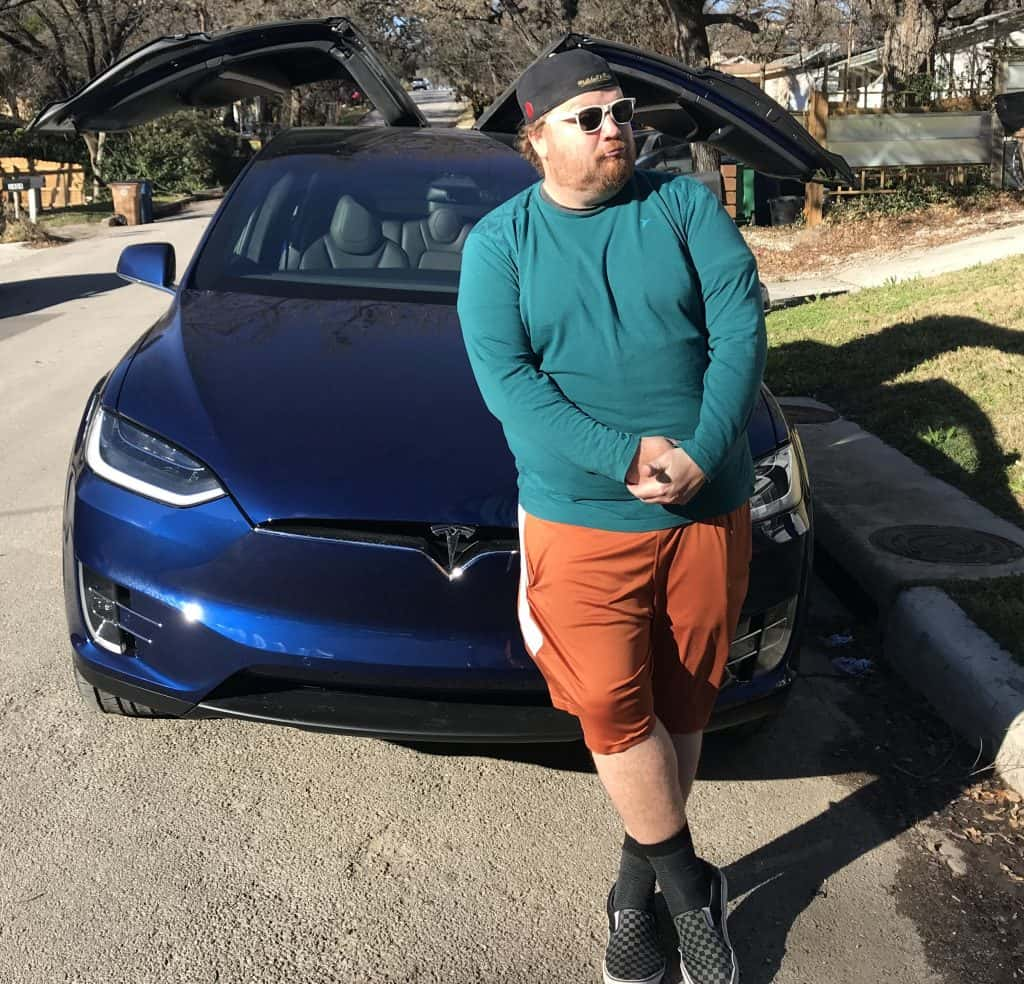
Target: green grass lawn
column 997, row 606
column 52, row 218
column 934, row 367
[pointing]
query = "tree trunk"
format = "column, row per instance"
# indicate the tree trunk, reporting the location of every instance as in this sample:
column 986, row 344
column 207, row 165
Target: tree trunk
column 907, row 44
column 295, row 107
column 691, row 48
column 94, row 143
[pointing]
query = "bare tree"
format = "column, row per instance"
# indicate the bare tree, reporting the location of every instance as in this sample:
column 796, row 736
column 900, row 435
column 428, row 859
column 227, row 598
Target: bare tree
column 70, row 41
column 910, row 31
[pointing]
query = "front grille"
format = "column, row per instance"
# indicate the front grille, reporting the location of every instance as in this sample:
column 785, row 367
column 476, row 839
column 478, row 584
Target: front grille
column 479, row 685
column 428, row 538
column 760, row 643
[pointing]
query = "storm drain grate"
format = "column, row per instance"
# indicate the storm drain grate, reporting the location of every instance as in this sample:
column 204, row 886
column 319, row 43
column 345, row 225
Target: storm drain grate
column 809, row 415
column 946, row 545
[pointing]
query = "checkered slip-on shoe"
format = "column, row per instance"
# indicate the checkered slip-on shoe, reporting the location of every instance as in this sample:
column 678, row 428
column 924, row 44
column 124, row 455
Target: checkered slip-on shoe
column 705, row 954
column 634, row 955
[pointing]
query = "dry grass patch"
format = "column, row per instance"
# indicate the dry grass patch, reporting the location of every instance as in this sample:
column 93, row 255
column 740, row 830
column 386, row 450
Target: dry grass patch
column 794, row 251
column 29, row 233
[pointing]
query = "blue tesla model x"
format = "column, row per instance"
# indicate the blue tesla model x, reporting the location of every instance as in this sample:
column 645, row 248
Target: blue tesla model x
column 287, row 502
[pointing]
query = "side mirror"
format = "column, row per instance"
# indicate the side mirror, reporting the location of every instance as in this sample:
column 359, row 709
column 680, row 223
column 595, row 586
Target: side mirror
column 148, row 263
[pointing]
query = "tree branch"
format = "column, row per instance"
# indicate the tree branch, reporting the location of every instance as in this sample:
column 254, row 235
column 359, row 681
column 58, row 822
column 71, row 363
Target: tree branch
column 17, row 43
column 744, row 23
column 964, row 19
column 14, row 5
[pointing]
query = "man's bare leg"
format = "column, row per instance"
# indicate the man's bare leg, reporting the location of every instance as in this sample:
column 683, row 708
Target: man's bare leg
column 646, row 785
column 650, row 783
column 688, row 758
column 643, row 785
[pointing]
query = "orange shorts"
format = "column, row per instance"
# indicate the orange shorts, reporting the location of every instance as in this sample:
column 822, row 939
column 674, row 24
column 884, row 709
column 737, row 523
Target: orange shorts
column 626, row 627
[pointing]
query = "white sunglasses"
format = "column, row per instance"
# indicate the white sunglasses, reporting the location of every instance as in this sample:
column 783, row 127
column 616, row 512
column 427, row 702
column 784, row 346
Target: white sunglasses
column 590, row 119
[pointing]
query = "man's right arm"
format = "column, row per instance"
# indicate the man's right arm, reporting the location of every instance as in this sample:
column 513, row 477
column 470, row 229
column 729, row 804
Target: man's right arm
column 515, row 389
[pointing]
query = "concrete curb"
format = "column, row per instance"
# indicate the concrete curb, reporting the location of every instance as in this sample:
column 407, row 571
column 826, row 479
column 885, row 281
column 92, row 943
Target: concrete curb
column 974, row 684
column 862, row 485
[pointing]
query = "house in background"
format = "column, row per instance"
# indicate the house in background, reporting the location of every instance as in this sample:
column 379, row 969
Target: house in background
column 963, row 67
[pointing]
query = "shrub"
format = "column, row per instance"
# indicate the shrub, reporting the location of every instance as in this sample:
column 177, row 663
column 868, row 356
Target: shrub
column 912, row 197
column 182, row 152
column 44, row 147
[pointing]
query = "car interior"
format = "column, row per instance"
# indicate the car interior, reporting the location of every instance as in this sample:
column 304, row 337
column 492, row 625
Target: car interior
column 323, row 219
column 415, row 224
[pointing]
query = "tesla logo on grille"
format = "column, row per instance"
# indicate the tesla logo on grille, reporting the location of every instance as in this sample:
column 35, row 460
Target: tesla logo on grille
column 458, row 539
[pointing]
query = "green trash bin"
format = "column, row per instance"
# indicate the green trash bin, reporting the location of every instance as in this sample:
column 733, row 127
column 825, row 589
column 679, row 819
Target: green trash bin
column 745, row 196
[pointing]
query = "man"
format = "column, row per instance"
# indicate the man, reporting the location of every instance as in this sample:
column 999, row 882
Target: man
column 614, row 322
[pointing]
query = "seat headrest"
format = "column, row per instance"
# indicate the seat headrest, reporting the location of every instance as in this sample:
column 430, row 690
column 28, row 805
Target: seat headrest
column 354, row 229
column 444, row 224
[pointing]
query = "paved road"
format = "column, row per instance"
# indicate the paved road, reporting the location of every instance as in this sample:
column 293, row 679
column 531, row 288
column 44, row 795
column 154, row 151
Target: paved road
column 437, row 105
column 142, row 851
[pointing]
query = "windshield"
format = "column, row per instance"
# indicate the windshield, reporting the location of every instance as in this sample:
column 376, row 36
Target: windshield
column 358, row 216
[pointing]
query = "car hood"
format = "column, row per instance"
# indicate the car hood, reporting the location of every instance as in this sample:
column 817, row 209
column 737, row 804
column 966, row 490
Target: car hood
column 209, row 70
column 699, row 105
column 327, row 410
column 341, row 411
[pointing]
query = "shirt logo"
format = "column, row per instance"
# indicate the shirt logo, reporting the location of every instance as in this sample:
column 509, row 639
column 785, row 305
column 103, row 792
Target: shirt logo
column 643, row 223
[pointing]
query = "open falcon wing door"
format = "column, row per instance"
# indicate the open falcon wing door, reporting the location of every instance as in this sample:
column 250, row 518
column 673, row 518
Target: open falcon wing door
column 699, row 105
column 210, row 70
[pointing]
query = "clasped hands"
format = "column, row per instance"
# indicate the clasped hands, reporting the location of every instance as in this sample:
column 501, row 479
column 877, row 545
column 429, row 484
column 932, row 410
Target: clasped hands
column 662, row 473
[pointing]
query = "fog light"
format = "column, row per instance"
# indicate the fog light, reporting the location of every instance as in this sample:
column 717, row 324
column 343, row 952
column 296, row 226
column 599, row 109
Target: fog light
column 778, row 630
column 99, row 607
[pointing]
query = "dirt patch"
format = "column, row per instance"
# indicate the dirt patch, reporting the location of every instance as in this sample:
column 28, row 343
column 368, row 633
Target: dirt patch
column 29, row 233
column 962, row 877
column 796, row 251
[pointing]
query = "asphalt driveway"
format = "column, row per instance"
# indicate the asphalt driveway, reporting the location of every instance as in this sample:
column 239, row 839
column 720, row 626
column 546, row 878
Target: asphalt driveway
column 139, row 851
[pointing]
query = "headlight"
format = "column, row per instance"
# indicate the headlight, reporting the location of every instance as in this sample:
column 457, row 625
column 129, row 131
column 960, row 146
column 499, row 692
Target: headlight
column 776, row 485
column 127, row 455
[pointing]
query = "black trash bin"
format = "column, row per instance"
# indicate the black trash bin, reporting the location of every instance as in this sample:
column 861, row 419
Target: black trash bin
column 786, row 209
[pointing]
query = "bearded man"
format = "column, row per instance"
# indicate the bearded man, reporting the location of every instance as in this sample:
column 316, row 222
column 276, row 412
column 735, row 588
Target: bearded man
column 613, row 319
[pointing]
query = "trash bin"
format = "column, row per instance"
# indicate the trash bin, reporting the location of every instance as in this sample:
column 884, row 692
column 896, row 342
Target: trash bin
column 127, row 196
column 146, row 210
column 746, row 213
column 786, row 209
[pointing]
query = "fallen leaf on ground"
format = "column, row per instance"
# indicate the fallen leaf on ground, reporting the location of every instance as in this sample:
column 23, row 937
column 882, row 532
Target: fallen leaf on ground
column 1013, row 874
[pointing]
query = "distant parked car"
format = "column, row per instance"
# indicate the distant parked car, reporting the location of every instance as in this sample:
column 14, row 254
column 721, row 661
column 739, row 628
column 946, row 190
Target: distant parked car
column 287, row 502
column 419, row 83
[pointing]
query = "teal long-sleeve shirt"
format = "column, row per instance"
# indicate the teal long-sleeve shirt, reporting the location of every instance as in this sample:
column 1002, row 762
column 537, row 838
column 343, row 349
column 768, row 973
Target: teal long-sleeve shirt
column 587, row 330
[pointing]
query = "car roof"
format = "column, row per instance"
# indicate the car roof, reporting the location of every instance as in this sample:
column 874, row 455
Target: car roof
column 390, row 141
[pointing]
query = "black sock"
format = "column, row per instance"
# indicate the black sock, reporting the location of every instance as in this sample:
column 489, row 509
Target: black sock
column 683, row 877
column 635, row 884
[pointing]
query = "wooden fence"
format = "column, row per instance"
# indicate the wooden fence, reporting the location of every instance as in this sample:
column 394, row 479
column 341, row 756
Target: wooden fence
column 64, row 183
column 895, row 145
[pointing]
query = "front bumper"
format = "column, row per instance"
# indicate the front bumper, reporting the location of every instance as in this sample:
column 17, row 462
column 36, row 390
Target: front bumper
column 356, row 638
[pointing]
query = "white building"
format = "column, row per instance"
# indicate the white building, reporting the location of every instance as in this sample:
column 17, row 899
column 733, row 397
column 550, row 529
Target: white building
column 963, row 66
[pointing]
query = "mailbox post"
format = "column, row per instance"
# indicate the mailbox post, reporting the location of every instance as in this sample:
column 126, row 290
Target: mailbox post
column 32, row 183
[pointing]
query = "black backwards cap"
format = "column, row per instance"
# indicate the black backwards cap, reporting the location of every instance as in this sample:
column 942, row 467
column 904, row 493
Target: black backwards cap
column 550, row 81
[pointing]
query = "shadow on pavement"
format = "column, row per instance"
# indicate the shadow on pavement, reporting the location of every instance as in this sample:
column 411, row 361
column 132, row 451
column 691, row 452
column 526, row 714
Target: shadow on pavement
column 865, row 385
column 26, row 296
column 895, row 763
